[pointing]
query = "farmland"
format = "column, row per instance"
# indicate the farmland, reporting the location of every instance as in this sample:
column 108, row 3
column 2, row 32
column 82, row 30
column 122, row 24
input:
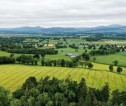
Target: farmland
column 26, row 63
column 108, row 59
column 13, row 76
column 63, row 53
column 108, row 41
column 96, row 77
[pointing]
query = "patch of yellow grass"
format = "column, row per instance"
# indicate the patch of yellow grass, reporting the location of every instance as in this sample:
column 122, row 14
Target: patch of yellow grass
column 13, row 76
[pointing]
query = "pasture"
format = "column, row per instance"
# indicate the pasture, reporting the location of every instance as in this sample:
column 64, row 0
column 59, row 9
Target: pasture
column 13, row 76
column 108, row 59
column 110, row 41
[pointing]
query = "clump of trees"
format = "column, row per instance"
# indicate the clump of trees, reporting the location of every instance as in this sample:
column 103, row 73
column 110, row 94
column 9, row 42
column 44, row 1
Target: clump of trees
column 90, row 39
column 119, row 69
column 105, row 50
column 6, row 60
column 4, row 97
column 55, row 92
column 58, row 45
column 60, row 63
column 74, row 46
column 27, row 59
column 33, row 60
column 118, row 98
column 86, row 56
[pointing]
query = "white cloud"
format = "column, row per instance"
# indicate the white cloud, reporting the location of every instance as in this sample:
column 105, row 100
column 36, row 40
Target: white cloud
column 64, row 13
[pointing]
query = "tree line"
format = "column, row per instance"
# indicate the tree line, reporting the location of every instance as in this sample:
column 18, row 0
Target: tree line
column 6, row 60
column 50, row 51
column 33, row 60
column 60, row 62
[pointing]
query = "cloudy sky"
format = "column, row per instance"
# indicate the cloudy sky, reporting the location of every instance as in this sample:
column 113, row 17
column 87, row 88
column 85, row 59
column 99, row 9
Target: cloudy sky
column 62, row 13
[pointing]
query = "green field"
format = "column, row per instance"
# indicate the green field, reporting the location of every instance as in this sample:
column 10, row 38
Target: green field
column 60, row 55
column 13, row 76
column 108, row 59
column 2, row 53
column 108, row 41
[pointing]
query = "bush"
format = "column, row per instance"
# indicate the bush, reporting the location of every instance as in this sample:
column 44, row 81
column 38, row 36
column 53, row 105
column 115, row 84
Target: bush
column 90, row 65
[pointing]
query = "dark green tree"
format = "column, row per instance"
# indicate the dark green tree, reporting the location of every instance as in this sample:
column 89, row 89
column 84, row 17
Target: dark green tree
column 30, row 83
column 88, row 100
column 119, row 69
column 90, row 65
column 111, row 68
column 42, row 55
column 82, row 89
column 115, row 62
column 18, row 93
column 116, row 97
column 42, row 62
column 11, row 55
column 105, row 93
column 36, row 56
column 4, row 99
column 81, row 101
column 62, row 63
column 86, row 56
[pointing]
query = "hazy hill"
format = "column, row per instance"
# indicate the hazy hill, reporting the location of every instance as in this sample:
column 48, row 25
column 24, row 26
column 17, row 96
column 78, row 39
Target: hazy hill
column 39, row 30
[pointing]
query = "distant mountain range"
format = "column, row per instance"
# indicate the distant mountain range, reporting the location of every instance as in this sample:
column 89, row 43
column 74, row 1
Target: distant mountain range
column 60, row 30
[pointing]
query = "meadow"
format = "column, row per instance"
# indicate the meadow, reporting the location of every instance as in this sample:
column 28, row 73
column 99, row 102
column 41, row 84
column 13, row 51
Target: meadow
column 108, row 41
column 108, row 59
column 13, row 76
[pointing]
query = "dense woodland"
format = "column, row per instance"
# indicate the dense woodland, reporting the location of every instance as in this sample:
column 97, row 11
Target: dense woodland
column 54, row 92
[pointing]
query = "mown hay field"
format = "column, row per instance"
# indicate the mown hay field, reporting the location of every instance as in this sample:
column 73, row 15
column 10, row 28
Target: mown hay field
column 13, row 76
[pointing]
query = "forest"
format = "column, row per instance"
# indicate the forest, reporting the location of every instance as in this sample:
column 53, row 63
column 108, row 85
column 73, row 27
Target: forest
column 54, row 92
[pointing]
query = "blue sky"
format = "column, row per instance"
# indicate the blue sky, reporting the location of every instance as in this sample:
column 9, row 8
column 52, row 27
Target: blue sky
column 62, row 13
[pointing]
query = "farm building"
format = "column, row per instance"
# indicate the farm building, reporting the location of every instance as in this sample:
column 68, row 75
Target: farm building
column 71, row 55
column 50, row 45
column 45, row 44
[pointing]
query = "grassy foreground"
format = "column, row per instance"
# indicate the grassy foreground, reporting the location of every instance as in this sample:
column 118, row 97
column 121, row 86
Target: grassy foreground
column 13, row 76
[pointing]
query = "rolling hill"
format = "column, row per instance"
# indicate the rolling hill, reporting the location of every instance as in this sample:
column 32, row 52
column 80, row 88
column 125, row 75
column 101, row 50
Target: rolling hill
column 60, row 30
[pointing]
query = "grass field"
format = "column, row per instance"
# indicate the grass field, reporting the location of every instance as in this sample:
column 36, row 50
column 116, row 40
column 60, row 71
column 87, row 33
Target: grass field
column 108, row 59
column 104, row 59
column 60, row 55
column 13, row 76
column 108, row 41
column 32, row 40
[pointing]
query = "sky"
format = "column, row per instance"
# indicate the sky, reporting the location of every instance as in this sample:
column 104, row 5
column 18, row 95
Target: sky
column 62, row 13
